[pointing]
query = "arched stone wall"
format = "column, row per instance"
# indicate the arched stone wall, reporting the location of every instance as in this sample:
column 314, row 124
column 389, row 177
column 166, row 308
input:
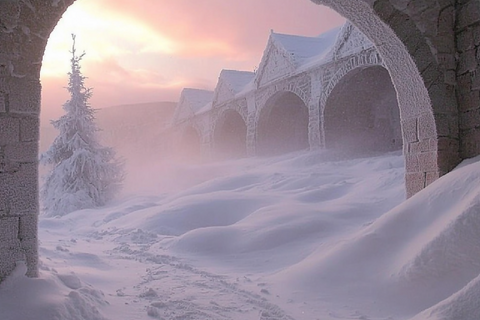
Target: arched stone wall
column 418, row 59
column 230, row 135
column 282, row 124
column 429, row 49
column 361, row 114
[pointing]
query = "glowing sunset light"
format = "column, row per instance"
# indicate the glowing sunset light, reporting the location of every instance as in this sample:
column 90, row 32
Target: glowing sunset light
column 147, row 50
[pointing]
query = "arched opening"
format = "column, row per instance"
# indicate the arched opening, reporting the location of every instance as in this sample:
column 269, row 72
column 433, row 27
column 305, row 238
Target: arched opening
column 282, row 125
column 361, row 114
column 230, row 136
column 190, row 146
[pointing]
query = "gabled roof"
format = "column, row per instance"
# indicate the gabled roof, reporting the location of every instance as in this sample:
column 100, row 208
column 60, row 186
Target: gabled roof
column 191, row 102
column 349, row 39
column 286, row 53
column 302, row 49
column 236, row 80
column 230, row 83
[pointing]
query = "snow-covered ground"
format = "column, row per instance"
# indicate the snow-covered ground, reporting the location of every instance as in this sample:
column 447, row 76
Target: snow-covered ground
column 302, row 236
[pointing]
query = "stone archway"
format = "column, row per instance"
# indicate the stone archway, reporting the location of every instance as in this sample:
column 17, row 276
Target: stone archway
column 230, row 135
column 282, row 125
column 418, row 44
column 361, row 113
column 418, row 54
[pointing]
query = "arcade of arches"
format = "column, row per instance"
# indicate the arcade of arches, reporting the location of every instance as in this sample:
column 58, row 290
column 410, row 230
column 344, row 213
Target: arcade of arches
column 429, row 51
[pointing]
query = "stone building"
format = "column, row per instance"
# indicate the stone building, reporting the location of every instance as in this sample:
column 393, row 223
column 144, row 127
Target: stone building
column 429, row 48
column 330, row 91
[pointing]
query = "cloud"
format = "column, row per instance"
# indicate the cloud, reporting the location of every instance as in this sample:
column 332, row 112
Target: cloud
column 238, row 29
column 144, row 50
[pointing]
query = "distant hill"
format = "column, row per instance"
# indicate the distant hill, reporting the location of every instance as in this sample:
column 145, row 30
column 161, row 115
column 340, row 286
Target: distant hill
column 134, row 130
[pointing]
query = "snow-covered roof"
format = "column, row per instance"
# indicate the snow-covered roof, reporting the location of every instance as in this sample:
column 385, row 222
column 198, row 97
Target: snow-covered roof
column 191, row 102
column 285, row 54
column 302, row 49
column 236, row 80
column 230, row 83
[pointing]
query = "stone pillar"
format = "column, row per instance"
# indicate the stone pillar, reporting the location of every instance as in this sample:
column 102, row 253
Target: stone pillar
column 251, row 125
column 19, row 125
column 314, row 117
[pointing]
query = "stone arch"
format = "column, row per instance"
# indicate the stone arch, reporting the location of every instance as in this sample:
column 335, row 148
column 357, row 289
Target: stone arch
column 409, row 48
column 282, row 124
column 418, row 46
column 368, row 58
column 361, row 114
column 230, row 134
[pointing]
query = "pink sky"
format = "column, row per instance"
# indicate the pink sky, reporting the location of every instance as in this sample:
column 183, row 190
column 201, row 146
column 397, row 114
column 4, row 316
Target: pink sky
column 145, row 50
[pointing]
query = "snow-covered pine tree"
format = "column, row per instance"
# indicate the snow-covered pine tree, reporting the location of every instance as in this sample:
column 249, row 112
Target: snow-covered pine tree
column 84, row 174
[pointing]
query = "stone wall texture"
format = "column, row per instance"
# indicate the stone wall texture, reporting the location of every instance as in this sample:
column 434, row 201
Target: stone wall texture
column 430, row 48
column 24, row 29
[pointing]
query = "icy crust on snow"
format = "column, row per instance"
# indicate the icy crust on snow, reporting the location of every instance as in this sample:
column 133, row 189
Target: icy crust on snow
column 52, row 296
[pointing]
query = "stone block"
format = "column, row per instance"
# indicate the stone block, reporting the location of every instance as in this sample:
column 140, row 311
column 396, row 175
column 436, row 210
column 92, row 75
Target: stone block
column 9, row 130
column 3, row 103
column 446, row 20
column 423, row 146
column 9, row 227
column 468, row 99
column 465, row 40
column 470, row 143
column 426, row 127
column 409, row 130
column 447, row 60
column 29, row 129
column 414, row 182
column 474, row 81
column 476, row 35
column 450, row 77
column 468, row 14
column 30, row 249
column 4, row 208
column 24, row 95
column 411, row 162
column 469, row 119
column 431, row 177
column 467, row 61
column 23, row 190
column 448, row 144
column 447, row 160
column 427, row 161
column 8, row 257
column 28, row 227
column 22, row 152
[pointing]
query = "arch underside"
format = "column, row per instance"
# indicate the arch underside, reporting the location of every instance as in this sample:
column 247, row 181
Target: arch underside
column 230, row 136
column 361, row 114
column 282, row 125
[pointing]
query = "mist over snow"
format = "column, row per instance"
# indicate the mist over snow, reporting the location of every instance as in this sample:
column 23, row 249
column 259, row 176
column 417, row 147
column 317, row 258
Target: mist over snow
column 300, row 236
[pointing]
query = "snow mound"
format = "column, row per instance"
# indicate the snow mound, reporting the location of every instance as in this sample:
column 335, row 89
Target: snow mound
column 414, row 256
column 49, row 297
